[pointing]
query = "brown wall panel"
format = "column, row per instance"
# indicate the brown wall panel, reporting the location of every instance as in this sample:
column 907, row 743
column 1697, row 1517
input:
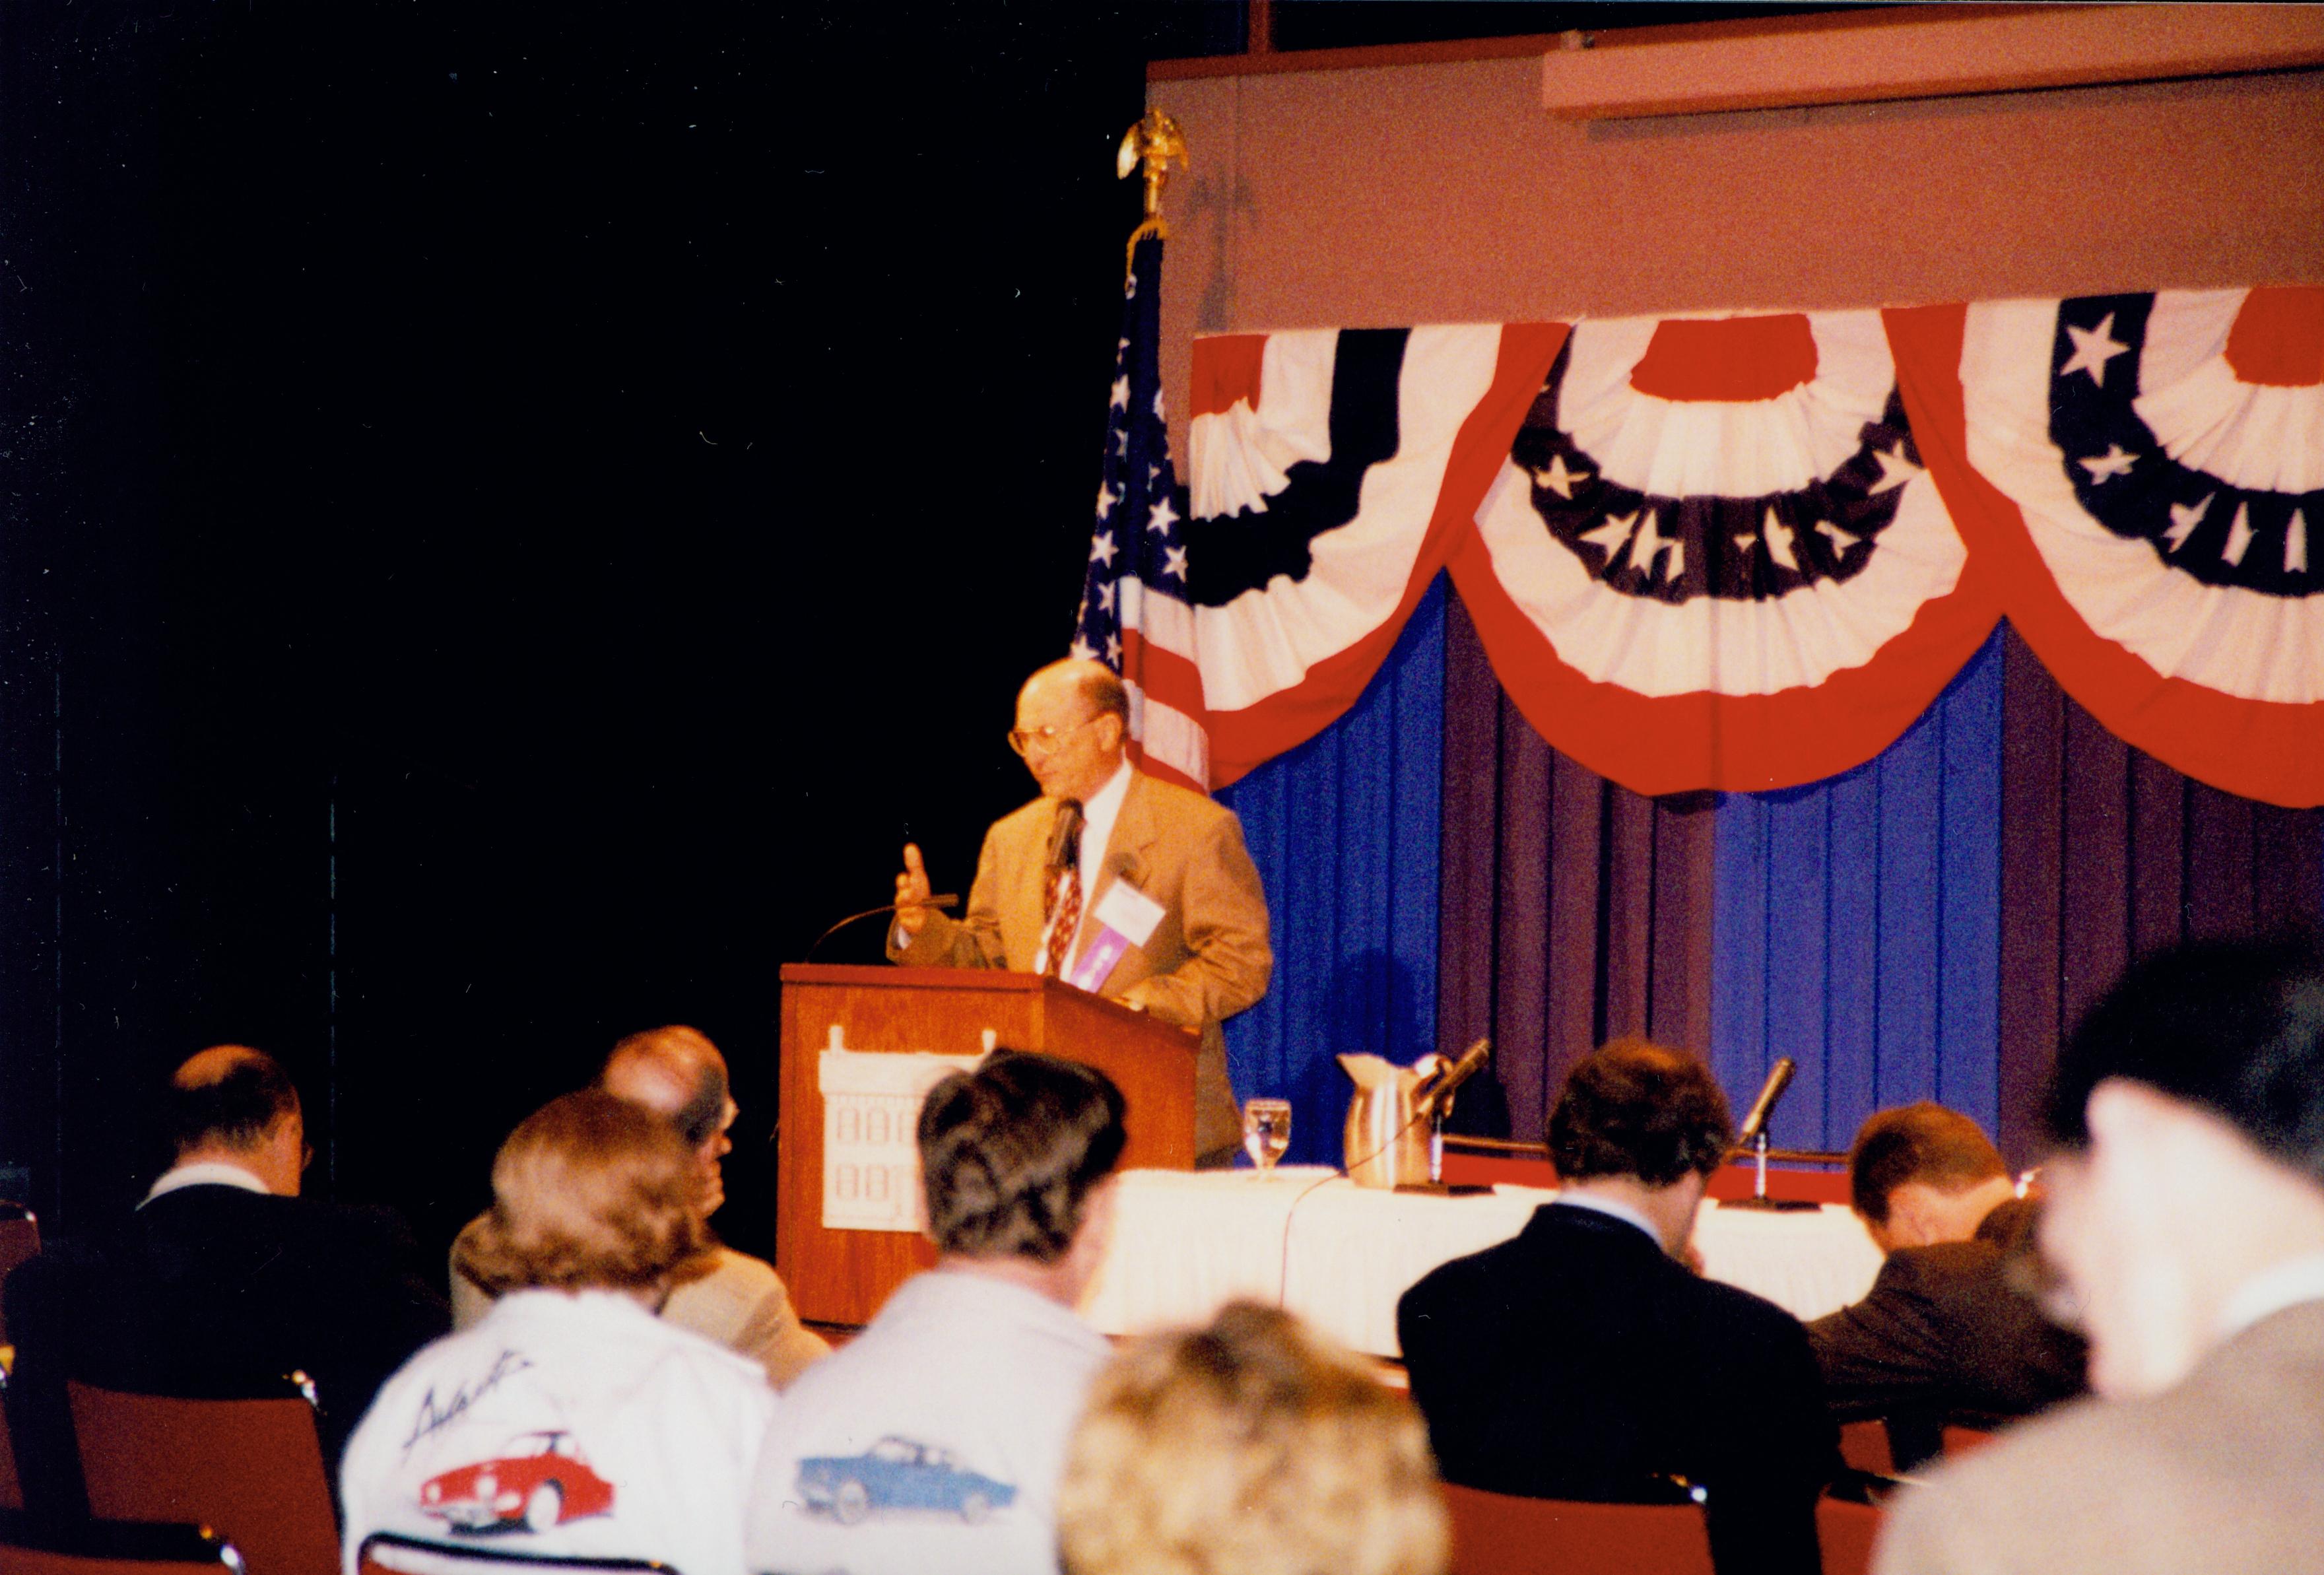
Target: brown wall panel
column 1444, row 193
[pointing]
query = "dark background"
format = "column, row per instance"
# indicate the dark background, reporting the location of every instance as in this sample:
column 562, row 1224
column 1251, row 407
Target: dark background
column 508, row 515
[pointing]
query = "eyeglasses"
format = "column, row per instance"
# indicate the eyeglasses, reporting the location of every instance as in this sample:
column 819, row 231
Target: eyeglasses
column 1046, row 739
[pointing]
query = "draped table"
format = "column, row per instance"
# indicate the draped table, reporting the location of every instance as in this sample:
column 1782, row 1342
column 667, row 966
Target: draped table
column 1340, row 1255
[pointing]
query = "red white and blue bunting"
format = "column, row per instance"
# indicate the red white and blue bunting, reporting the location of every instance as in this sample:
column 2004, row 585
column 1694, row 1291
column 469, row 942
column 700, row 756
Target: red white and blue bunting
column 1746, row 551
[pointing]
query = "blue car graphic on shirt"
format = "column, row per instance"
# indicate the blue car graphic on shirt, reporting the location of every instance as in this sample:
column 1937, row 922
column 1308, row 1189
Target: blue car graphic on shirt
column 898, row 1474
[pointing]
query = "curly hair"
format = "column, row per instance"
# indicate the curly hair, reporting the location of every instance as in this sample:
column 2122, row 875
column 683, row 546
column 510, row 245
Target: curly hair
column 1634, row 1108
column 590, row 1191
column 1251, row 1447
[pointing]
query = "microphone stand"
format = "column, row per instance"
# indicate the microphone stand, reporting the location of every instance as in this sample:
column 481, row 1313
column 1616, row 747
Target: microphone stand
column 1759, row 1200
column 1755, row 1140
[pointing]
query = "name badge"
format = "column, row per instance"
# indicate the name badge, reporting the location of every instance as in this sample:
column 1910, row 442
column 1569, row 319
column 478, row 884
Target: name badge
column 1125, row 918
column 1129, row 913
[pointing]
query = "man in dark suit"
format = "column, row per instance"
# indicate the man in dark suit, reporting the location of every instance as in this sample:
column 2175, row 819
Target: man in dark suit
column 1946, row 1333
column 226, row 1280
column 1583, row 1359
column 2185, row 1225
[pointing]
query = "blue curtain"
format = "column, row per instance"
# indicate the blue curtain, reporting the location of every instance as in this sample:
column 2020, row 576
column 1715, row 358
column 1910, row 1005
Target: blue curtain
column 1856, row 927
column 1344, row 830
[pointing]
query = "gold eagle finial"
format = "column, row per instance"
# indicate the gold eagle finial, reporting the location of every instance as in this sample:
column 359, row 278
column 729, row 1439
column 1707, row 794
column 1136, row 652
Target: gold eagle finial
column 1152, row 143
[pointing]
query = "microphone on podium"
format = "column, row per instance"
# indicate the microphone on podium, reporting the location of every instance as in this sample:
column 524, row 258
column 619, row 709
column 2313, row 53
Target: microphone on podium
column 943, row 900
column 1753, row 1139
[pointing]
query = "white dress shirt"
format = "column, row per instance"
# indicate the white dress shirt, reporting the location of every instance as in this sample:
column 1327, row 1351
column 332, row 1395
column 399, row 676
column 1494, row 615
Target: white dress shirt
column 206, row 1173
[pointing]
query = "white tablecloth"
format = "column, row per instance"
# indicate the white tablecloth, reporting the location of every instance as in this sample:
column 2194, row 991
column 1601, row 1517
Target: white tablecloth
column 1185, row 1243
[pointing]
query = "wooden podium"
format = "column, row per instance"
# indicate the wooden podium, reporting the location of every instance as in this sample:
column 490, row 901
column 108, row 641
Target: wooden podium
column 842, row 1277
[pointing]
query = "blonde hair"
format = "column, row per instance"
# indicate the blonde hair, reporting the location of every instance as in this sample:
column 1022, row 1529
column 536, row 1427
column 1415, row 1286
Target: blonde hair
column 590, row 1191
column 1251, row 1447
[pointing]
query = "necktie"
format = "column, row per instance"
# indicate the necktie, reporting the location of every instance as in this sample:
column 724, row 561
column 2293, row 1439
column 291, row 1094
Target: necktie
column 1064, row 894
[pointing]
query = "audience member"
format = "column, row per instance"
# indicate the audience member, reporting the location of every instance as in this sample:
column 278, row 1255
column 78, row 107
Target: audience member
column 2185, row 1219
column 1947, row 1333
column 1251, row 1447
column 732, row 1297
column 1582, row 1358
column 934, row 1439
column 226, row 1280
column 570, row 1419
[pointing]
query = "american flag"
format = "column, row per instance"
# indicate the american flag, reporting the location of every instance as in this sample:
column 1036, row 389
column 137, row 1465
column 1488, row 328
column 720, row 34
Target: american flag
column 1135, row 615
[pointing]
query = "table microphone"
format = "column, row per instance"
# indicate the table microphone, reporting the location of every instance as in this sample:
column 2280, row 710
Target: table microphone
column 947, row 899
column 1753, row 1139
column 1755, row 1124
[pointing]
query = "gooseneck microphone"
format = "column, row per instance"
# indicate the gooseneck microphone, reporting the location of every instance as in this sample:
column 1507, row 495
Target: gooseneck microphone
column 1753, row 1139
column 1065, row 835
column 1755, row 1124
column 943, row 899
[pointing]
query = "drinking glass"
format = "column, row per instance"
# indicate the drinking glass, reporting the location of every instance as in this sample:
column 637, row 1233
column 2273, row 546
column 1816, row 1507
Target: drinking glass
column 1266, row 1131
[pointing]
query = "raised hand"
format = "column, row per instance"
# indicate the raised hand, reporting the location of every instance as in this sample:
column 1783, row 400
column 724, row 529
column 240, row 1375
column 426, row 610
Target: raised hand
column 912, row 890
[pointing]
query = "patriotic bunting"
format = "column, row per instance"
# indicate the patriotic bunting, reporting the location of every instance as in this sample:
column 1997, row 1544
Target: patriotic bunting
column 1714, row 558
column 2160, row 465
column 1746, row 552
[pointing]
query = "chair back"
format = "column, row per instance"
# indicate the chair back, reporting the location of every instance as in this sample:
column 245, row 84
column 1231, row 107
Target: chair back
column 20, row 1239
column 393, row 1553
column 1864, row 1446
column 1494, row 1534
column 12, row 1486
column 1962, row 1441
column 111, row 1548
column 251, row 1469
column 1847, row 1532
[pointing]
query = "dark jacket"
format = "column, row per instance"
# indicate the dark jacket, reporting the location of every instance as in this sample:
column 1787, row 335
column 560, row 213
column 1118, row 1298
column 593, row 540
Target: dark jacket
column 213, row 1291
column 1944, row 1336
column 1577, row 1360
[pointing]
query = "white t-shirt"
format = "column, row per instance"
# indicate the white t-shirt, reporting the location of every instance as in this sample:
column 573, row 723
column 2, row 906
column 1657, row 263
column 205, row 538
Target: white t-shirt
column 564, row 1423
column 933, row 1441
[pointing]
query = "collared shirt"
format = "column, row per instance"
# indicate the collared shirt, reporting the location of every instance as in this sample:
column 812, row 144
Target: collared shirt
column 1619, row 1210
column 2270, row 1291
column 205, row 1173
column 1098, row 814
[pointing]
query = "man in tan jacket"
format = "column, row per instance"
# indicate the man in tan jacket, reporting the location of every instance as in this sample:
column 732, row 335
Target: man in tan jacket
column 730, row 1297
column 2185, row 1222
column 1105, row 846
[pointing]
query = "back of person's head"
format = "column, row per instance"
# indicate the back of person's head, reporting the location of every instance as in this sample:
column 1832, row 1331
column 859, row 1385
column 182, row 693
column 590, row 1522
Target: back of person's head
column 1925, row 1143
column 675, row 1071
column 1632, row 1108
column 1011, row 1152
column 2233, row 1028
column 589, row 1192
column 1251, row 1447
column 227, row 1097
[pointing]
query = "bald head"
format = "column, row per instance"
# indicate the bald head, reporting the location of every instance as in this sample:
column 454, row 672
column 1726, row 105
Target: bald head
column 1073, row 718
column 235, row 1105
column 1097, row 687
column 677, row 1073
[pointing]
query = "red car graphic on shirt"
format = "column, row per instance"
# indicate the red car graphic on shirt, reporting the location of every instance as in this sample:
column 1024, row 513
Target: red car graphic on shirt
column 540, row 1480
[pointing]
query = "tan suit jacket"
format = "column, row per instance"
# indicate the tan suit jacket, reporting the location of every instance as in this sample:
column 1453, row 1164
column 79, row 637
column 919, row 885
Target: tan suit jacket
column 740, row 1303
column 2223, row 1474
column 1207, row 960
